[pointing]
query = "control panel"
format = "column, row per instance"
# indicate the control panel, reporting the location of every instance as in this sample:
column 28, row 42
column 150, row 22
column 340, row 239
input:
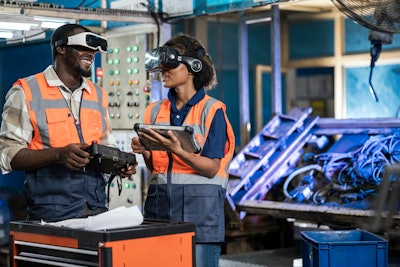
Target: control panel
column 129, row 93
column 127, row 191
column 125, row 78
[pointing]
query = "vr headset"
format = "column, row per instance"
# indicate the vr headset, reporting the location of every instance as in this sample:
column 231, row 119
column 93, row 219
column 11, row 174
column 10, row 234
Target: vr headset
column 165, row 57
column 86, row 39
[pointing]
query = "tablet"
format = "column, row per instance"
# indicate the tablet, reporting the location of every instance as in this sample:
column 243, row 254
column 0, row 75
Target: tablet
column 185, row 134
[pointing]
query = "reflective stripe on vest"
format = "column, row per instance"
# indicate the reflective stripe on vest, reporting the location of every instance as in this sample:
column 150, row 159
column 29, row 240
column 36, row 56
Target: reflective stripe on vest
column 52, row 120
column 200, row 118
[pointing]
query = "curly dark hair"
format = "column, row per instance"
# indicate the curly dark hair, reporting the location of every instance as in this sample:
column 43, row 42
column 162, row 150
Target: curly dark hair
column 187, row 45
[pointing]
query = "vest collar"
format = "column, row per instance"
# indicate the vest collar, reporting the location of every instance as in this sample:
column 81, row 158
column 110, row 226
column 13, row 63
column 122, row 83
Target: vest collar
column 52, row 79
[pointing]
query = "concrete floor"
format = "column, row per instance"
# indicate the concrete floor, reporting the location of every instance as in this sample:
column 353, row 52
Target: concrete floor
column 286, row 257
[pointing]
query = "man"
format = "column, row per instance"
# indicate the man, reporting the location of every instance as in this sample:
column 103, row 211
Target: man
column 48, row 120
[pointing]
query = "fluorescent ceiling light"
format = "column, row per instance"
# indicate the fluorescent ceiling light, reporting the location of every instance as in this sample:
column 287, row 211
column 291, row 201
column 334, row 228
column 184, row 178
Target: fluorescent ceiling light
column 16, row 26
column 51, row 24
column 259, row 20
column 41, row 18
column 6, row 35
column 24, row 23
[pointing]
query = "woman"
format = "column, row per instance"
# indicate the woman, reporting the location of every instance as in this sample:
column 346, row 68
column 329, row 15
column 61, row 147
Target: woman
column 186, row 186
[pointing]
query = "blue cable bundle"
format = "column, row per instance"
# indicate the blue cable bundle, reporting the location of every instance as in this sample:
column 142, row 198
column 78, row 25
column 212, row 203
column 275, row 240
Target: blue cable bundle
column 345, row 177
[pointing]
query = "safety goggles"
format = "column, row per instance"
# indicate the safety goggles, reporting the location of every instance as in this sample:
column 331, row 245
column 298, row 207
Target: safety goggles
column 165, row 58
column 85, row 39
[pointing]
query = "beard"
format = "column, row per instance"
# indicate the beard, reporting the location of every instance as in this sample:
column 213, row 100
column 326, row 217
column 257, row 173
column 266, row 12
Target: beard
column 72, row 60
column 85, row 73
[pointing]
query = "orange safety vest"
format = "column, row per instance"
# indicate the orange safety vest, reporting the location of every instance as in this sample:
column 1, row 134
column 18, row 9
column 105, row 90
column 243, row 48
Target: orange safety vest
column 53, row 123
column 200, row 118
column 176, row 191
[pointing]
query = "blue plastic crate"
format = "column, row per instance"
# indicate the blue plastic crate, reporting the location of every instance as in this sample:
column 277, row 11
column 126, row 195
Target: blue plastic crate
column 343, row 249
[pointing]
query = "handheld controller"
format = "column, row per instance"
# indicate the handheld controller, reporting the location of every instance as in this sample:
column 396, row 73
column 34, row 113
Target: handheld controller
column 107, row 159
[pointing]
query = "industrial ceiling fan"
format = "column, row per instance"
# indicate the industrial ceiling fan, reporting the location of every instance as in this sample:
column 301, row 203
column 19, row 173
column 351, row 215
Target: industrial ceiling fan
column 382, row 17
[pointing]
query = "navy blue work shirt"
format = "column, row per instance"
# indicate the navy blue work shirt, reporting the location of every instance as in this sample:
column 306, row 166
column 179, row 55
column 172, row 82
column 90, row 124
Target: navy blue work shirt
column 215, row 144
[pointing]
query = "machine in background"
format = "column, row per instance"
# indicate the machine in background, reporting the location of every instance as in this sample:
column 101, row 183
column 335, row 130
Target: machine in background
column 320, row 170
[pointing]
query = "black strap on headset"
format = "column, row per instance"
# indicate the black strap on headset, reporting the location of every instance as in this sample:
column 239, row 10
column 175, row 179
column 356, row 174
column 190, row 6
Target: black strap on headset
column 196, row 54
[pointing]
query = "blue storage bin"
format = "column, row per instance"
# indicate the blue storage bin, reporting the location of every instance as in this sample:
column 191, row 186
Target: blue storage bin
column 343, row 249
